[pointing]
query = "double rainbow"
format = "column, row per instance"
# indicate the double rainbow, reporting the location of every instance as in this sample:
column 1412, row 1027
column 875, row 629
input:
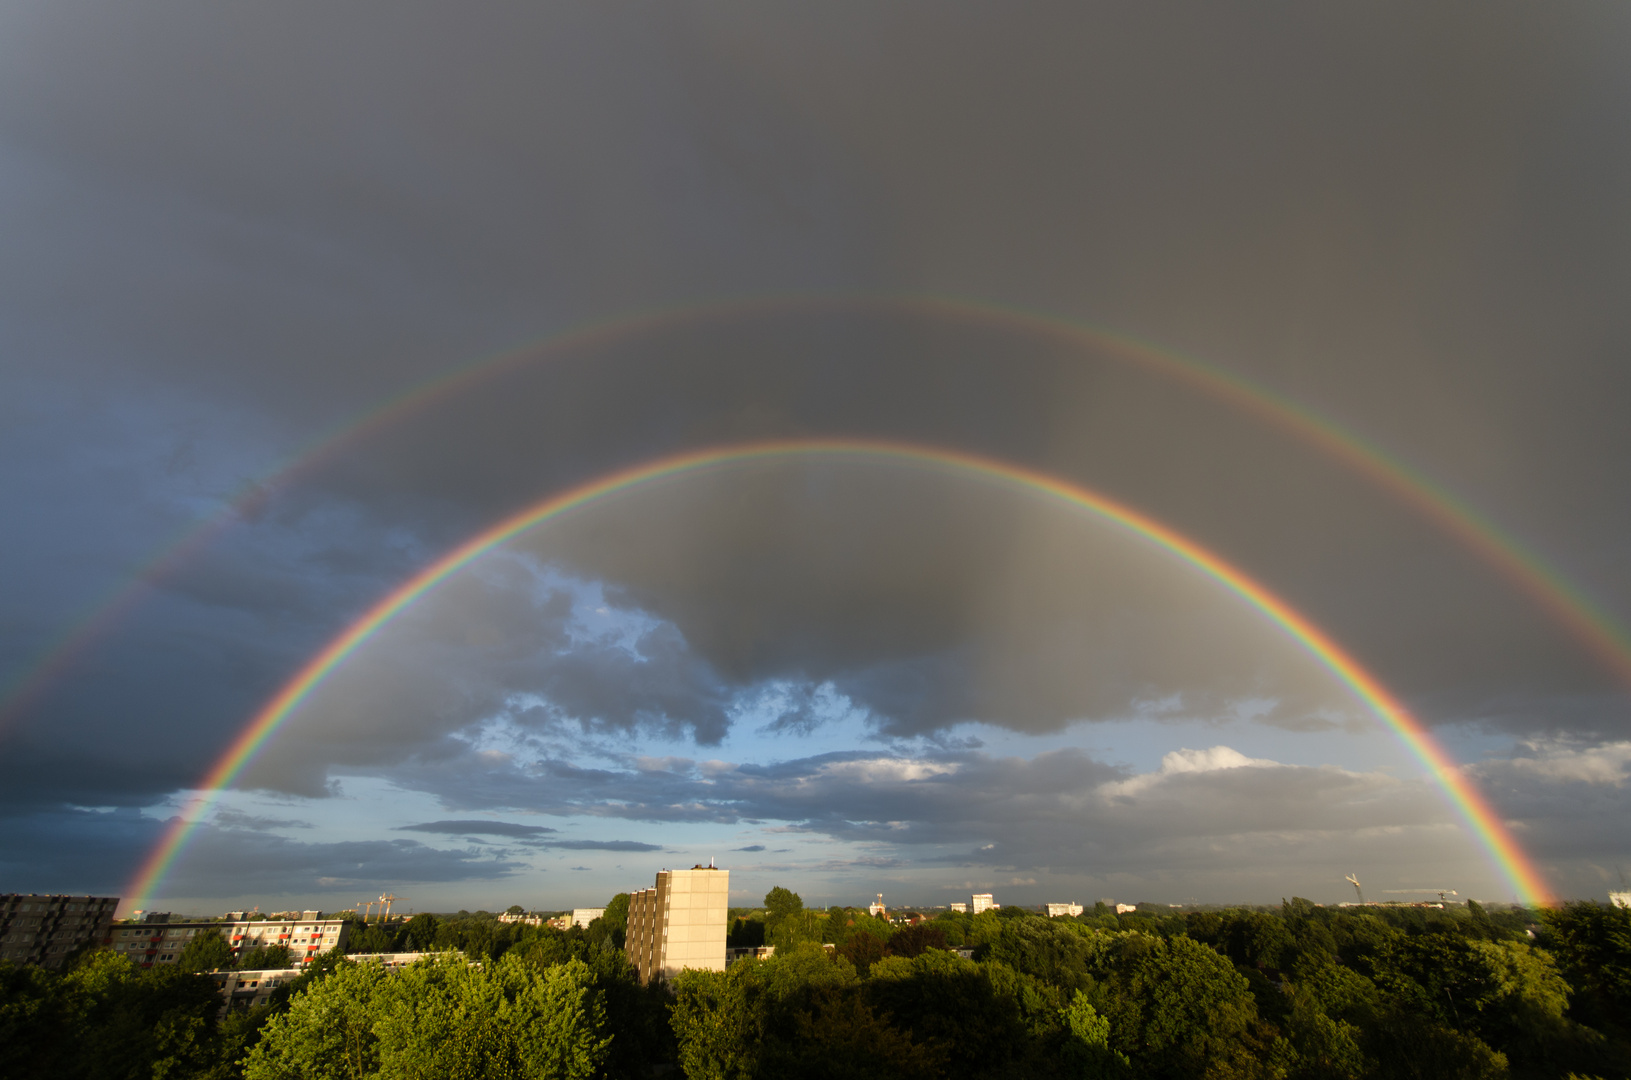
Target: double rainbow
column 1547, row 587
column 1510, row 859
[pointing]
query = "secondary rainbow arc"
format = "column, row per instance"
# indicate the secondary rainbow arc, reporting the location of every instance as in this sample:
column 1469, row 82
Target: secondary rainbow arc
column 1507, row 855
column 1525, row 570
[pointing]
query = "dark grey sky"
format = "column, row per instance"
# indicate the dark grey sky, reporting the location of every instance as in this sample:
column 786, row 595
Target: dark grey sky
column 227, row 231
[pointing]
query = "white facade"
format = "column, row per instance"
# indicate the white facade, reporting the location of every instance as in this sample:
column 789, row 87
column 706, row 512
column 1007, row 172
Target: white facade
column 679, row 923
column 876, row 908
column 1620, row 899
column 960, row 908
column 981, row 901
column 1072, row 909
column 1126, row 909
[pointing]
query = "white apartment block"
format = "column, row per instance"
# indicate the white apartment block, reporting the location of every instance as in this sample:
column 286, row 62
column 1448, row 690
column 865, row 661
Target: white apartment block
column 160, row 941
column 959, row 908
column 981, row 901
column 679, row 923
column 44, row 930
column 1072, row 909
column 580, row 916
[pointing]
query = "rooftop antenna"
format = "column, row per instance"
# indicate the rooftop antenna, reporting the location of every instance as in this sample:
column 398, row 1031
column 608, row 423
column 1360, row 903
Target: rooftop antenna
column 1354, row 881
column 711, row 865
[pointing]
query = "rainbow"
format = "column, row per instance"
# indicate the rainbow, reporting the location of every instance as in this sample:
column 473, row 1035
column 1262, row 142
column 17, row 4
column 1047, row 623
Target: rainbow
column 1512, row 862
column 1547, row 587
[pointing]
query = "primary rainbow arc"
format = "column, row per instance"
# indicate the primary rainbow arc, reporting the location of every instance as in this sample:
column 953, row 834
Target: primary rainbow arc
column 1507, row 855
column 1546, row 586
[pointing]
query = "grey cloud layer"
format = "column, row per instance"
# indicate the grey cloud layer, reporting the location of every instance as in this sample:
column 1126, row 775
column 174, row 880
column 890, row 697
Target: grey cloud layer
column 229, row 229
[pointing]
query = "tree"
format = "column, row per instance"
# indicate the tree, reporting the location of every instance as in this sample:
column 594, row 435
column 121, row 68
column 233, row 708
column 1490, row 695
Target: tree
column 1088, row 1046
column 515, row 909
column 863, row 950
column 912, row 940
column 421, row 932
column 617, row 911
column 786, row 921
column 1177, row 1009
column 264, row 958
column 718, row 1021
column 206, row 952
column 439, row 1019
column 1593, row 945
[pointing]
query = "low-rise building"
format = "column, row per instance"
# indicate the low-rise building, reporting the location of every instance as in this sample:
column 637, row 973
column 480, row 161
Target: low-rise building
column 159, row 939
column 581, row 917
column 748, row 952
column 246, row 989
column 959, row 907
column 981, row 901
column 1072, row 909
column 1126, row 909
column 46, row 929
column 679, row 923
column 523, row 919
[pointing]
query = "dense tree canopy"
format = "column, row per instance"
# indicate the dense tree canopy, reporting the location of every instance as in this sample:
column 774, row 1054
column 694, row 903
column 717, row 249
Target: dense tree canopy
column 1298, row 992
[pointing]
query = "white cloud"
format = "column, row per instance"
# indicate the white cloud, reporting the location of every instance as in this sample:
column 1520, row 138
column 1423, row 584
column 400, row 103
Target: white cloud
column 1186, row 761
column 1609, row 763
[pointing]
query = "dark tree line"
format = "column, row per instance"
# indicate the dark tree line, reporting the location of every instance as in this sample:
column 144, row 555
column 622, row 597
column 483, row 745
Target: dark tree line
column 1297, row 992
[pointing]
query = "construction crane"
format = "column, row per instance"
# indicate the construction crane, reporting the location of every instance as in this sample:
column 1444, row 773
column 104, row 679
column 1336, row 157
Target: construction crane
column 367, row 908
column 1354, row 881
column 385, row 902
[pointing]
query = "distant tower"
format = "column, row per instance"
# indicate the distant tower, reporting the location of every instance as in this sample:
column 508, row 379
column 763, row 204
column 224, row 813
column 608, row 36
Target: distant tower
column 876, row 908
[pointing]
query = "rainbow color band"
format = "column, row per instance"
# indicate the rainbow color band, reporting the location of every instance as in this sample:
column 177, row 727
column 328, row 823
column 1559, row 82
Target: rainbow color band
column 1512, row 862
column 1547, row 587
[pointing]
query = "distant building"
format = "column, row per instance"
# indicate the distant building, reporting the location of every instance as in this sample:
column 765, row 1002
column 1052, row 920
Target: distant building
column 158, row 940
column 582, row 916
column 1072, row 909
column 679, row 923
column 959, row 907
column 876, row 908
column 981, row 901
column 245, row 989
column 525, row 920
column 1620, row 899
column 45, row 929
column 748, row 952
column 1125, row 909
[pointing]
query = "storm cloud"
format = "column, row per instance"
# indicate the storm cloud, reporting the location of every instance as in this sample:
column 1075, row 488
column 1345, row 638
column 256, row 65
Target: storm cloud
column 234, row 233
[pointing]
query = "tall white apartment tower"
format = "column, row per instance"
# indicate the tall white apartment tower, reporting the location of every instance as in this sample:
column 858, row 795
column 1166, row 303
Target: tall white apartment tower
column 679, row 923
column 981, row 901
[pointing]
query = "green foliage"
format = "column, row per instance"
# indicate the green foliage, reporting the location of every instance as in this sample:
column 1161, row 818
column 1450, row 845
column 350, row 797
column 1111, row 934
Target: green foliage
column 420, row 934
column 786, row 921
column 1296, row 992
column 1088, row 1047
column 1593, row 947
column 913, row 940
column 206, row 952
column 264, row 957
column 439, row 1019
column 617, row 911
